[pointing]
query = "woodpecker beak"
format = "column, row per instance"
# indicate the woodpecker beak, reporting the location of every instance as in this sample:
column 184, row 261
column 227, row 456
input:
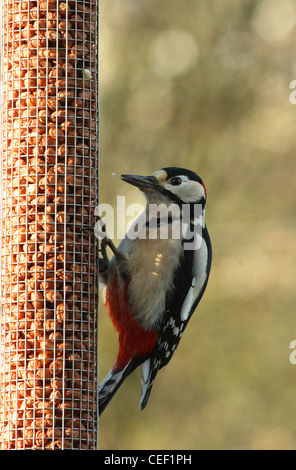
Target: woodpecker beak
column 144, row 183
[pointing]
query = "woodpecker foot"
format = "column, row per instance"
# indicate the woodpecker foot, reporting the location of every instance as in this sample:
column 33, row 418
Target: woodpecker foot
column 106, row 241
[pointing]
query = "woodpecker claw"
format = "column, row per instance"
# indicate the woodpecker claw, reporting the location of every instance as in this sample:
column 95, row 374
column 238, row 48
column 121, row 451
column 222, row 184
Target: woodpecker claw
column 106, row 241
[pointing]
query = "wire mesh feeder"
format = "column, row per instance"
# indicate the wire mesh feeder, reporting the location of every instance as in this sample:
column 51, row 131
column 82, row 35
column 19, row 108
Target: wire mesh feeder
column 49, row 170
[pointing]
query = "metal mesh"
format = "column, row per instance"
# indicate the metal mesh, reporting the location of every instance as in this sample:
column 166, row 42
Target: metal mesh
column 49, row 180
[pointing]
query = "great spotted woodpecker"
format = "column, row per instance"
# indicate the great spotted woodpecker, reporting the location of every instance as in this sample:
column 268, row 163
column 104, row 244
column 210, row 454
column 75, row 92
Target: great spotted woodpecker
column 154, row 283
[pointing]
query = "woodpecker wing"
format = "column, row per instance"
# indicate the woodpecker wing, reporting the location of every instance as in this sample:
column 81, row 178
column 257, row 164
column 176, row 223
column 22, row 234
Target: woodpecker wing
column 190, row 281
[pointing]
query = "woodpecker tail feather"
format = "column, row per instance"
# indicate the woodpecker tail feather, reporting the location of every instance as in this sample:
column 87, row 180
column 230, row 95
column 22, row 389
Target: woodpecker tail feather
column 148, row 375
column 111, row 383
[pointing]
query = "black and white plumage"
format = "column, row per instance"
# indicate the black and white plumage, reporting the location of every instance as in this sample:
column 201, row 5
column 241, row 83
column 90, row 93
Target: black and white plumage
column 154, row 284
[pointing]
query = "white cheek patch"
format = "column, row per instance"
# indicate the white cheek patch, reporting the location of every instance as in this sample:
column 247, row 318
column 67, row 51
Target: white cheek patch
column 188, row 191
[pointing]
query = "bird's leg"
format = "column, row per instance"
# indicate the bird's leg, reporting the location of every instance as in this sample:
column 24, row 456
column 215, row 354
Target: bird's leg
column 105, row 241
column 104, row 261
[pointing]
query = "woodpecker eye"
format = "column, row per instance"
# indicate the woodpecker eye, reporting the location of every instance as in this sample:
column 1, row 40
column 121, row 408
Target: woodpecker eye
column 175, row 181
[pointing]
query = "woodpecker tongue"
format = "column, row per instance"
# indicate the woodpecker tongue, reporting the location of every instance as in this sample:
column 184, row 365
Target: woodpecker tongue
column 141, row 182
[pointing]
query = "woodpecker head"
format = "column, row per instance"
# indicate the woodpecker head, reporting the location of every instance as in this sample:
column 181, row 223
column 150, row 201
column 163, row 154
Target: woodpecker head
column 170, row 185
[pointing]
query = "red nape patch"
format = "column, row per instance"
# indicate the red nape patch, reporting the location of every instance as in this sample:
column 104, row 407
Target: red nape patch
column 204, row 189
column 133, row 339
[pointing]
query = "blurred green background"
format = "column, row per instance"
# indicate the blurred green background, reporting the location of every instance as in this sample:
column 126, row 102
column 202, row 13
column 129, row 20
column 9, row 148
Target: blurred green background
column 205, row 85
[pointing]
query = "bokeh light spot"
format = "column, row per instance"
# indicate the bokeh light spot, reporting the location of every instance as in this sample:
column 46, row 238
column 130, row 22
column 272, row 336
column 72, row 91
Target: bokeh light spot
column 274, row 21
column 173, row 53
